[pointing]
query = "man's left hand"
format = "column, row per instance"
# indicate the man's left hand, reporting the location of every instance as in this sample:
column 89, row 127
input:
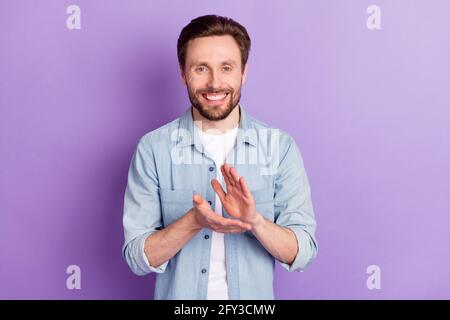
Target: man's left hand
column 238, row 200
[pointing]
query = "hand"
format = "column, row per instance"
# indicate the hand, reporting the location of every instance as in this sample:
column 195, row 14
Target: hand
column 238, row 200
column 205, row 217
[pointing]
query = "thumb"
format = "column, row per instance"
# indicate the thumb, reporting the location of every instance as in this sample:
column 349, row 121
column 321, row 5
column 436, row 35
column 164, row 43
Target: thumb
column 197, row 199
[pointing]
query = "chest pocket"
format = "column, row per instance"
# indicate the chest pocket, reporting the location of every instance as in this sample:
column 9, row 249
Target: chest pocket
column 264, row 202
column 264, row 205
column 175, row 204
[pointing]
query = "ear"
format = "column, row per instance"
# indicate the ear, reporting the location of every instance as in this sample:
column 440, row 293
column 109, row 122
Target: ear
column 183, row 75
column 244, row 74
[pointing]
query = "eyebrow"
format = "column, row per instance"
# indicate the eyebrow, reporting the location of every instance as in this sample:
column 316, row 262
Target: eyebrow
column 229, row 61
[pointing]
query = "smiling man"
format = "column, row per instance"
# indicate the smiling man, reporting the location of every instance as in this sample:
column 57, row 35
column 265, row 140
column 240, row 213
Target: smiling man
column 215, row 197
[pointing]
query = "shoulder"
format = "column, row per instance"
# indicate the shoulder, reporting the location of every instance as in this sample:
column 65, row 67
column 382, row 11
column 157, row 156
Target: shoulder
column 265, row 130
column 159, row 137
column 161, row 134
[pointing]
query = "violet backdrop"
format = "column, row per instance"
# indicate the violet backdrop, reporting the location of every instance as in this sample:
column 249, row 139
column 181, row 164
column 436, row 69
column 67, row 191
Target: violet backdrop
column 369, row 110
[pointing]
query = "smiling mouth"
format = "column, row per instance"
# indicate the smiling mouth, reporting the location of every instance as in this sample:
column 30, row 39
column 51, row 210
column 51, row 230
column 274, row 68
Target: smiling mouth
column 215, row 96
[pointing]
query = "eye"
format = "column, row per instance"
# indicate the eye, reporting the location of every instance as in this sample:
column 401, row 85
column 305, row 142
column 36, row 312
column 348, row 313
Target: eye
column 201, row 69
column 227, row 68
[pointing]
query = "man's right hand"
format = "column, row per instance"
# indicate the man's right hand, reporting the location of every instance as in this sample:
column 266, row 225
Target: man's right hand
column 205, row 217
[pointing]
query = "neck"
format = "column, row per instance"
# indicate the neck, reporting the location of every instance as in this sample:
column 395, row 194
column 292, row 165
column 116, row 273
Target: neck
column 220, row 126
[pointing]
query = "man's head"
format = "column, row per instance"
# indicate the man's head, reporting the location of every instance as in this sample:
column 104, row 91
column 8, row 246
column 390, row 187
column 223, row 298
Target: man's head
column 212, row 54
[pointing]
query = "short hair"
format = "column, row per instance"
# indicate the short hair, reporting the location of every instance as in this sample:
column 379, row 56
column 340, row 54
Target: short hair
column 213, row 25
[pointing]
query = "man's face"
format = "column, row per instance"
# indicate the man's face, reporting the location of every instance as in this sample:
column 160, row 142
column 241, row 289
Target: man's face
column 214, row 74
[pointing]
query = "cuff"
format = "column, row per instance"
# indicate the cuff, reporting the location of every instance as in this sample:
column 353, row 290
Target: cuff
column 141, row 258
column 306, row 251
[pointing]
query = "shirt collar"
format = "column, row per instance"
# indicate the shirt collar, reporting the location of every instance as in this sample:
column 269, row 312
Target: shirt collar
column 186, row 124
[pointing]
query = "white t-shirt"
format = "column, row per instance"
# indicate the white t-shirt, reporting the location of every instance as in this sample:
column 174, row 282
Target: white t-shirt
column 217, row 147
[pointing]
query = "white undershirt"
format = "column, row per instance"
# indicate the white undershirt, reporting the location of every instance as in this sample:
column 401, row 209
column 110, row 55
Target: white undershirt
column 217, row 146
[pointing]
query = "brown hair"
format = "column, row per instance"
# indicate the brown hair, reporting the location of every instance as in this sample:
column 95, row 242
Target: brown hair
column 213, row 25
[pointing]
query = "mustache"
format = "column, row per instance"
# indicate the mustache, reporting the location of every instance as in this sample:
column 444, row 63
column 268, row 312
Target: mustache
column 214, row 91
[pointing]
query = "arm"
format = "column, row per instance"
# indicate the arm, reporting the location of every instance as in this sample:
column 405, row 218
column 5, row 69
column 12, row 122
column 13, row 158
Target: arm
column 291, row 238
column 142, row 211
column 293, row 205
column 281, row 242
column 164, row 244
column 148, row 244
column 238, row 201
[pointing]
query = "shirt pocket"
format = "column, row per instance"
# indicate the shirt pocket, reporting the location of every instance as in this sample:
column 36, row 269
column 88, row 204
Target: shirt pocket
column 175, row 204
column 264, row 202
column 264, row 205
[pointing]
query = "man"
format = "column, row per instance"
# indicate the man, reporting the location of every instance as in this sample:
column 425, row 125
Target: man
column 215, row 196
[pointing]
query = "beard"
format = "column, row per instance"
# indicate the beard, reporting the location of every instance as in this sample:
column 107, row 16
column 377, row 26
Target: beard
column 215, row 112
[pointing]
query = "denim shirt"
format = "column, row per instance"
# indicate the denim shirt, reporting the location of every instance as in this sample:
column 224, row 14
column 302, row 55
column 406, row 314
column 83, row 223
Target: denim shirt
column 169, row 165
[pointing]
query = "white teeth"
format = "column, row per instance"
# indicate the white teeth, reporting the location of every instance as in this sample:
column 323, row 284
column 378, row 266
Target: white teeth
column 215, row 97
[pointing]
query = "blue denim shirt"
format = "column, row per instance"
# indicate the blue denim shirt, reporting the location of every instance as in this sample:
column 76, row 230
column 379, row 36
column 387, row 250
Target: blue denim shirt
column 169, row 165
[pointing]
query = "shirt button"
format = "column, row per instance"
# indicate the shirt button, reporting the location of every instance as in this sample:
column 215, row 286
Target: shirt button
column 203, row 270
column 206, row 236
column 211, row 169
column 210, row 203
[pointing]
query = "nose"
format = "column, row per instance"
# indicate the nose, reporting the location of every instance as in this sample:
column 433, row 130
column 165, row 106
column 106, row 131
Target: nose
column 214, row 80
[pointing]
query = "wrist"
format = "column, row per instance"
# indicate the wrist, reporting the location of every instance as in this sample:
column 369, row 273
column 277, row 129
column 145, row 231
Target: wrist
column 192, row 220
column 257, row 222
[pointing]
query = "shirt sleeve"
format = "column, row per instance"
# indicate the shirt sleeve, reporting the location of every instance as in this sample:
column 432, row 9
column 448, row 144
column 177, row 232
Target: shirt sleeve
column 293, row 206
column 142, row 211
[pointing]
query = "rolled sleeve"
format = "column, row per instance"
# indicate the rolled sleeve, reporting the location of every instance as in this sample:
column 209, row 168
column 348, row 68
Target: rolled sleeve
column 293, row 206
column 308, row 253
column 159, row 269
column 142, row 211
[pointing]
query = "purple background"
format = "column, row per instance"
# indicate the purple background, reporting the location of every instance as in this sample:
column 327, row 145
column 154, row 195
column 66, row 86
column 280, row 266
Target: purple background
column 368, row 109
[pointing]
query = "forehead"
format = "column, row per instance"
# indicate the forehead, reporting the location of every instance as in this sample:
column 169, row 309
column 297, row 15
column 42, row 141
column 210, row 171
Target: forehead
column 214, row 49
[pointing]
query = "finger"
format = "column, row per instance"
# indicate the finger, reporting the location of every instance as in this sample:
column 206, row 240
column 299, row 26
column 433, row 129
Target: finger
column 229, row 175
column 197, row 199
column 235, row 177
column 230, row 230
column 247, row 226
column 225, row 178
column 234, row 174
column 219, row 227
column 225, row 172
column 244, row 188
column 227, row 222
column 199, row 202
column 218, row 189
column 242, row 228
column 221, row 221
